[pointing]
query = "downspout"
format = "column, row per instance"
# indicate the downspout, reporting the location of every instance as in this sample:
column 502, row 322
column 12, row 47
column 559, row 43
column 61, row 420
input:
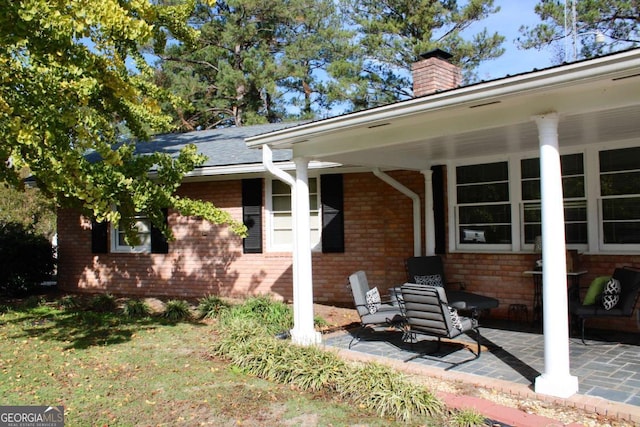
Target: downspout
column 416, row 207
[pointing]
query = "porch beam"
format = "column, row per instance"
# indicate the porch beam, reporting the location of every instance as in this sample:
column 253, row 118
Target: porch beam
column 556, row 379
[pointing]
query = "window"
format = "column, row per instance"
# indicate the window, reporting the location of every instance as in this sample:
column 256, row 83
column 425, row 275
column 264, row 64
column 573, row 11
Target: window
column 573, row 190
column 282, row 221
column 143, row 227
column 620, row 196
column 483, row 206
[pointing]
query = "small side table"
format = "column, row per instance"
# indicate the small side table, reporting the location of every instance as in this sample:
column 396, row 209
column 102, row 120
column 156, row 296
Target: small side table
column 572, row 276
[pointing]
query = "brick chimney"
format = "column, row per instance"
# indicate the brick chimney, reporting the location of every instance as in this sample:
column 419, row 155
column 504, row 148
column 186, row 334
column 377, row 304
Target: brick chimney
column 434, row 73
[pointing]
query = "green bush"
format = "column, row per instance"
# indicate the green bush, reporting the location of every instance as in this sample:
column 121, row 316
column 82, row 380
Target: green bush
column 177, row 310
column 134, row 308
column 103, row 303
column 210, row 306
column 69, row 303
column 275, row 316
column 467, row 418
column 26, row 259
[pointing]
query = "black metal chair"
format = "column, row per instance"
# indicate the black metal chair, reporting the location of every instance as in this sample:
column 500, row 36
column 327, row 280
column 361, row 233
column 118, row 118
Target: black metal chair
column 625, row 299
column 427, row 312
column 429, row 270
column 384, row 314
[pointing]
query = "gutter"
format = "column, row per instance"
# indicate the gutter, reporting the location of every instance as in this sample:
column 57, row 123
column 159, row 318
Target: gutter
column 416, row 207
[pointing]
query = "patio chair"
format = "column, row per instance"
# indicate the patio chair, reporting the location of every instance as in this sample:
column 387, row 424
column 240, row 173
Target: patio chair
column 427, row 312
column 372, row 310
column 428, row 270
column 617, row 299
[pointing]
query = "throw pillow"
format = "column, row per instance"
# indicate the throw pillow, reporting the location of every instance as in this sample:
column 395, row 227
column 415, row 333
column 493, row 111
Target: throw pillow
column 611, row 294
column 432, row 280
column 455, row 318
column 373, row 300
column 595, row 290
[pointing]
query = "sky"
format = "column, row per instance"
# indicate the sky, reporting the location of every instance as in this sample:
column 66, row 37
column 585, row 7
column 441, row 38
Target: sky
column 512, row 15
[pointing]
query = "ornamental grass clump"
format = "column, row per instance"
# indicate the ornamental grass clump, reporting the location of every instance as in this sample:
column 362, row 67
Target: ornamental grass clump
column 210, row 306
column 135, row 309
column 103, row 303
column 249, row 344
column 276, row 316
column 177, row 310
column 388, row 392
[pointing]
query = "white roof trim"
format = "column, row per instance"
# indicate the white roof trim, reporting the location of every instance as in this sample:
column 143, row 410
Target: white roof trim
column 612, row 66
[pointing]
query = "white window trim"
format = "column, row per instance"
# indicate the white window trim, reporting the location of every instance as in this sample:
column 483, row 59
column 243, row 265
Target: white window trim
column 592, row 191
column 271, row 246
column 125, row 249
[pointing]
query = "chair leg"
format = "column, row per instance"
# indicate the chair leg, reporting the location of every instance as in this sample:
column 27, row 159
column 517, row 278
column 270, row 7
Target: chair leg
column 356, row 336
column 582, row 330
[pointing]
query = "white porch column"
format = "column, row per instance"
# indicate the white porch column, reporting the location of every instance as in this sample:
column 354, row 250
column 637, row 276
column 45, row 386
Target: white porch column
column 429, row 221
column 556, row 379
column 303, row 331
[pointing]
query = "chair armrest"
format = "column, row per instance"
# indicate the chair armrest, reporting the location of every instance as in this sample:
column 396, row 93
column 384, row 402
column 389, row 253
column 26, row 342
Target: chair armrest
column 459, row 305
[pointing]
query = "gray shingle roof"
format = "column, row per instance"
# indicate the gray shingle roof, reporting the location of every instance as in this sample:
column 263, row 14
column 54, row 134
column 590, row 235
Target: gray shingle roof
column 223, row 147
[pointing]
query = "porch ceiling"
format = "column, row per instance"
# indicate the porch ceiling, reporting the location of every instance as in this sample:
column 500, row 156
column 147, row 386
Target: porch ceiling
column 598, row 101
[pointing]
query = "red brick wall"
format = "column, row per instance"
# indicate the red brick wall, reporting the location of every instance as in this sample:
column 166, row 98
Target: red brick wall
column 206, row 259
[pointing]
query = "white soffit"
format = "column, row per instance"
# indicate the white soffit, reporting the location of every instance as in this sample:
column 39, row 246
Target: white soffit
column 598, row 100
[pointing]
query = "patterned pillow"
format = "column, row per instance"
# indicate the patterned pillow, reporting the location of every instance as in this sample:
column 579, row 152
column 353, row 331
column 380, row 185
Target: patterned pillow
column 611, row 294
column 373, row 300
column 432, row 280
column 455, row 319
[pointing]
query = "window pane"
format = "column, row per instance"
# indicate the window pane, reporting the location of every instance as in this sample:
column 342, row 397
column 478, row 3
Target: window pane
column 531, row 231
column 621, row 209
column 620, row 160
column 282, row 203
column 571, row 164
column 573, row 187
column 531, row 189
column 491, row 214
column 313, row 202
column 489, row 172
column 575, row 233
column 620, row 183
column 279, row 187
column 483, row 193
column 530, row 168
column 621, row 232
column 575, row 211
column 532, row 212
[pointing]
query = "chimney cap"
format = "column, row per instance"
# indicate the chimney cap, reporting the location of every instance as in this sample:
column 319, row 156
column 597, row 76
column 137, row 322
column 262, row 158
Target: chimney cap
column 436, row 53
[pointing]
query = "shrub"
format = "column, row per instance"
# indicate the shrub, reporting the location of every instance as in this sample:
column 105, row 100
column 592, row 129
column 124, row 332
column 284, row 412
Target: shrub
column 103, row 303
column 275, row 316
column 134, row 308
column 177, row 310
column 69, row 302
column 210, row 306
column 26, row 259
column 467, row 418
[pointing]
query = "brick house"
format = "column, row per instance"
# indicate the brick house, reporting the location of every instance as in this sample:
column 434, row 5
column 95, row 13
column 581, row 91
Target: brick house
column 473, row 173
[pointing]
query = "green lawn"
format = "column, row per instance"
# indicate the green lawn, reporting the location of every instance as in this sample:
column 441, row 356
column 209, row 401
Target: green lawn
column 106, row 369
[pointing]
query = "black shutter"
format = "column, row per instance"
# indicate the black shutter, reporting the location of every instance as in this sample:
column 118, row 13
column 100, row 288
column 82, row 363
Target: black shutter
column 331, row 188
column 437, row 182
column 99, row 237
column 159, row 244
column 252, row 215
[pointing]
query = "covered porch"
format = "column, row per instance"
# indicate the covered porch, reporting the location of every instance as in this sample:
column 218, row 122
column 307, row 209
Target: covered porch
column 512, row 358
column 580, row 107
